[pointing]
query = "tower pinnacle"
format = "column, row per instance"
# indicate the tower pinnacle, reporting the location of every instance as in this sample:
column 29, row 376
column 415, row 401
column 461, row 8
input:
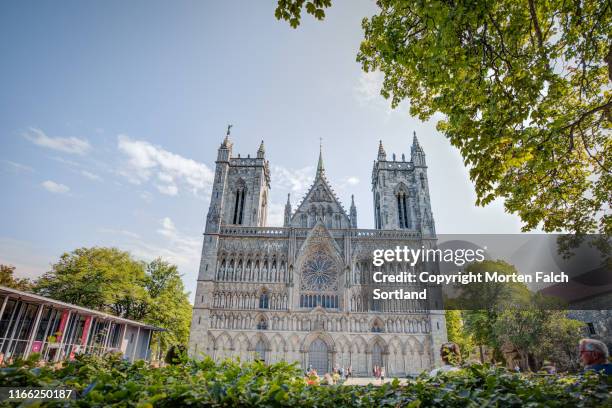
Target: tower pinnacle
column 320, row 167
column 416, row 152
column 226, row 141
column 382, row 155
column 353, row 213
column 261, row 151
column 287, row 221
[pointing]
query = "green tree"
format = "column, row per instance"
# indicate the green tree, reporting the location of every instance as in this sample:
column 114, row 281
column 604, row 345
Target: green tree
column 8, row 279
column 105, row 279
column 508, row 316
column 483, row 301
column 168, row 305
column 524, row 90
column 538, row 334
column 457, row 333
column 110, row 280
column 561, row 345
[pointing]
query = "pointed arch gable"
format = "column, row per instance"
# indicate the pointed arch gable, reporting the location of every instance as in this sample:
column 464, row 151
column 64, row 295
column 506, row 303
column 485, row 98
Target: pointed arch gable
column 224, row 342
column 320, row 234
column 401, row 187
column 278, row 343
column 325, row 337
column 395, row 344
column 413, row 345
column 241, row 341
column 343, row 344
column 320, row 269
column 320, row 195
column 294, row 342
column 381, row 343
column 257, row 338
column 358, row 344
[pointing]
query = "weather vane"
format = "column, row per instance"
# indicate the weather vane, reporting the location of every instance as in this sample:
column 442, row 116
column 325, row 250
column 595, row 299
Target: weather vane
column 229, row 128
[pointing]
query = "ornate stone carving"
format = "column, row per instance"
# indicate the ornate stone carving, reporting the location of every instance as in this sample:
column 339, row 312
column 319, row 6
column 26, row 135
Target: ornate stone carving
column 318, row 273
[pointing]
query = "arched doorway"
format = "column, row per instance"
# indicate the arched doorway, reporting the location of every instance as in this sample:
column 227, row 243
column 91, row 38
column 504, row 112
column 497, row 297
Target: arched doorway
column 377, row 359
column 260, row 351
column 318, row 357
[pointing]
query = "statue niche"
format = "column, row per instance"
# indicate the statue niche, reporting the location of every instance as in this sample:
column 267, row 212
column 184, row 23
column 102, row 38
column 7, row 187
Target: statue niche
column 320, row 195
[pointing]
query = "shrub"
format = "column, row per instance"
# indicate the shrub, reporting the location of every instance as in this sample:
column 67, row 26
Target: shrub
column 177, row 354
column 110, row 381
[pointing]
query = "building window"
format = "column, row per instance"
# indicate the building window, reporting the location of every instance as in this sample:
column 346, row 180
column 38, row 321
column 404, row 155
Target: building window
column 324, row 301
column 422, row 177
column 264, row 300
column 260, row 351
column 402, row 210
column 377, row 217
column 262, row 324
column 239, row 203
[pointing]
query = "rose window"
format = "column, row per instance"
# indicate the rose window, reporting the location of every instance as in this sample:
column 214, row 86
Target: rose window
column 318, row 274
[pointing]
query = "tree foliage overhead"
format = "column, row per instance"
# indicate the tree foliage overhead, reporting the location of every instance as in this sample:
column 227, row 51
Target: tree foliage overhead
column 110, row 280
column 524, row 88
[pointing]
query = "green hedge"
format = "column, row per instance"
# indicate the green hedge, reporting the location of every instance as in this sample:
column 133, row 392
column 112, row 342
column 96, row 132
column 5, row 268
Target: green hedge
column 113, row 382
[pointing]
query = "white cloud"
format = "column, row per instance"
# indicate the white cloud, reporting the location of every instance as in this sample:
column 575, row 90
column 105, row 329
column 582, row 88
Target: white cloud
column 168, row 189
column 91, row 176
column 170, row 243
column 367, row 93
column 18, row 167
column 183, row 248
column 71, row 145
column 168, row 227
column 353, row 181
column 369, row 86
column 146, row 161
column 54, row 187
column 297, row 181
column 276, row 215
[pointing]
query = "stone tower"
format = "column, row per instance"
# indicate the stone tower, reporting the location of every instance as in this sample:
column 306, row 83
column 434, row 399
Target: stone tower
column 401, row 193
column 239, row 197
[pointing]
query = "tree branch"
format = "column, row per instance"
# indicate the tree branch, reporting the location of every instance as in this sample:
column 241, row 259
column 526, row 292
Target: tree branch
column 536, row 24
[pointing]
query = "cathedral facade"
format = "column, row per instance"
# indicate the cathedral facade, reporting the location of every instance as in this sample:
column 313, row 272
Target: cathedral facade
column 303, row 292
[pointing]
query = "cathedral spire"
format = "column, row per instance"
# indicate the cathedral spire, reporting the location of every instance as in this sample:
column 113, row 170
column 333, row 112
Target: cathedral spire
column 320, row 167
column 382, row 155
column 261, row 151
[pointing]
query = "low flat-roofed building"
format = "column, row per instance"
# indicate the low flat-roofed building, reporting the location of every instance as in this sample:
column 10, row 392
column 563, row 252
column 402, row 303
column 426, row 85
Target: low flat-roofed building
column 57, row 330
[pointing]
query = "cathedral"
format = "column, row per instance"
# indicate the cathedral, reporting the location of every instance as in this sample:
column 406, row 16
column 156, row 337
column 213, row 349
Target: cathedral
column 303, row 292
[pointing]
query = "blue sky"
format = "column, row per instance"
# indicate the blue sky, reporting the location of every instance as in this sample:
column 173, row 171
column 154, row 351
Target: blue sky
column 111, row 113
